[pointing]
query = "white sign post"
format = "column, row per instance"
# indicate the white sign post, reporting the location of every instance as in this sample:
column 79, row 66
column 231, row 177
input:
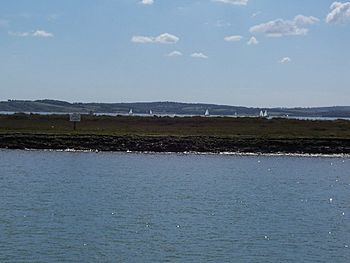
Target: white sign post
column 74, row 117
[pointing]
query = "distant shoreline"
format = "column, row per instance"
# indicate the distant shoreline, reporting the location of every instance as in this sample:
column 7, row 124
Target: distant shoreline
column 175, row 144
column 168, row 108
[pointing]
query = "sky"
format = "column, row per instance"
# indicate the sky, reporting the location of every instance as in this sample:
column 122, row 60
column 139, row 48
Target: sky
column 264, row 53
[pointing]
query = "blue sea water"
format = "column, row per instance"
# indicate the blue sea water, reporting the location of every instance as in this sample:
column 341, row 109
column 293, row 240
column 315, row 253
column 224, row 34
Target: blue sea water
column 113, row 207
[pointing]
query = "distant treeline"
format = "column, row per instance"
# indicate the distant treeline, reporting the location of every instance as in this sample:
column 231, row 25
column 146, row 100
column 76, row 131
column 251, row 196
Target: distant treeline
column 52, row 106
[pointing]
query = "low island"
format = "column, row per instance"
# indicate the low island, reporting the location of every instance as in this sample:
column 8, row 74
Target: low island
column 175, row 134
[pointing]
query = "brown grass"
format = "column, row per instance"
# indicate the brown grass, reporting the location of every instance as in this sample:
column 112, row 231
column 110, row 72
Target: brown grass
column 222, row 127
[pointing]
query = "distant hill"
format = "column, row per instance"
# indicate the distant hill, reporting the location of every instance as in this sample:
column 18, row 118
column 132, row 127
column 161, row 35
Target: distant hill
column 55, row 106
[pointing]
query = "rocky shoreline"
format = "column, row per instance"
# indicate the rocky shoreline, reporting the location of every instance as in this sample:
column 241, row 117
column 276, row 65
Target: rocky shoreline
column 176, row 144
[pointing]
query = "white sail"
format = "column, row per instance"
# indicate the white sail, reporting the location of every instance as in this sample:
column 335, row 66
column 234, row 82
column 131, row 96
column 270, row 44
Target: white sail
column 131, row 112
column 150, row 112
column 265, row 113
column 207, row 112
column 261, row 114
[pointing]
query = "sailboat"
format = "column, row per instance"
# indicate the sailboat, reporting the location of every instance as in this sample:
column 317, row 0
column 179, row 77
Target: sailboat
column 150, row 112
column 207, row 114
column 263, row 114
column 131, row 112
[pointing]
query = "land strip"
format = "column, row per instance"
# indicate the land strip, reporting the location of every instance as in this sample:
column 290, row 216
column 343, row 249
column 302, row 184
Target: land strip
column 165, row 134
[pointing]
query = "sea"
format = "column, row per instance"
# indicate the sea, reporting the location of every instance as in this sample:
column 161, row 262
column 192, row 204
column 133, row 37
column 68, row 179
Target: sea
column 135, row 207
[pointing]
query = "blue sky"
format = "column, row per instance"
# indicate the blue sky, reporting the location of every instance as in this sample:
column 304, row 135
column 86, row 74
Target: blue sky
column 238, row 52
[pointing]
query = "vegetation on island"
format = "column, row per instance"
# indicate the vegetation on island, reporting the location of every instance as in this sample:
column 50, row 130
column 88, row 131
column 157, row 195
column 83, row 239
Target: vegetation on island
column 166, row 134
column 176, row 126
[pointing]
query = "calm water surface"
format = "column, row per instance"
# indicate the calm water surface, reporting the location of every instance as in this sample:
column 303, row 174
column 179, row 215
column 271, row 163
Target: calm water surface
column 110, row 207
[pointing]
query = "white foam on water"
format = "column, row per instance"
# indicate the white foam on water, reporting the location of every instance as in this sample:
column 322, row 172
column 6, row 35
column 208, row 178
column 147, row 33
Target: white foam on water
column 344, row 156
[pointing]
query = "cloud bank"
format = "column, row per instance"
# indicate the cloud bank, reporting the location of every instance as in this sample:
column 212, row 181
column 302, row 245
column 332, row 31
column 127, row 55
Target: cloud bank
column 199, row 55
column 280, row 27
column 37, row 33
column 174, row 53
column 165, row 38
column 147, row 2
column 232, row 2
column 234, row 38
column 340, row 13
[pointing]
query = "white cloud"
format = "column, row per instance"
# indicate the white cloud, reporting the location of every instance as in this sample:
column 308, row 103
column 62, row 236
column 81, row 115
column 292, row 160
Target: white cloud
column 340, row 13
column 174, row 53
column 37, row 33
column 252, row 41
column 199, row 55
column 42, row 33
column 301, row 20
column 280, row 27
column 232, row 2
column 165, row 38
column 285, row 60
column 142, row 39
column 147, row 2
column 234, row 38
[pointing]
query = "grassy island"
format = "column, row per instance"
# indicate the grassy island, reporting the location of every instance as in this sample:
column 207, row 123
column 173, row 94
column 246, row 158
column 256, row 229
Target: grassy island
column 178, row 134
